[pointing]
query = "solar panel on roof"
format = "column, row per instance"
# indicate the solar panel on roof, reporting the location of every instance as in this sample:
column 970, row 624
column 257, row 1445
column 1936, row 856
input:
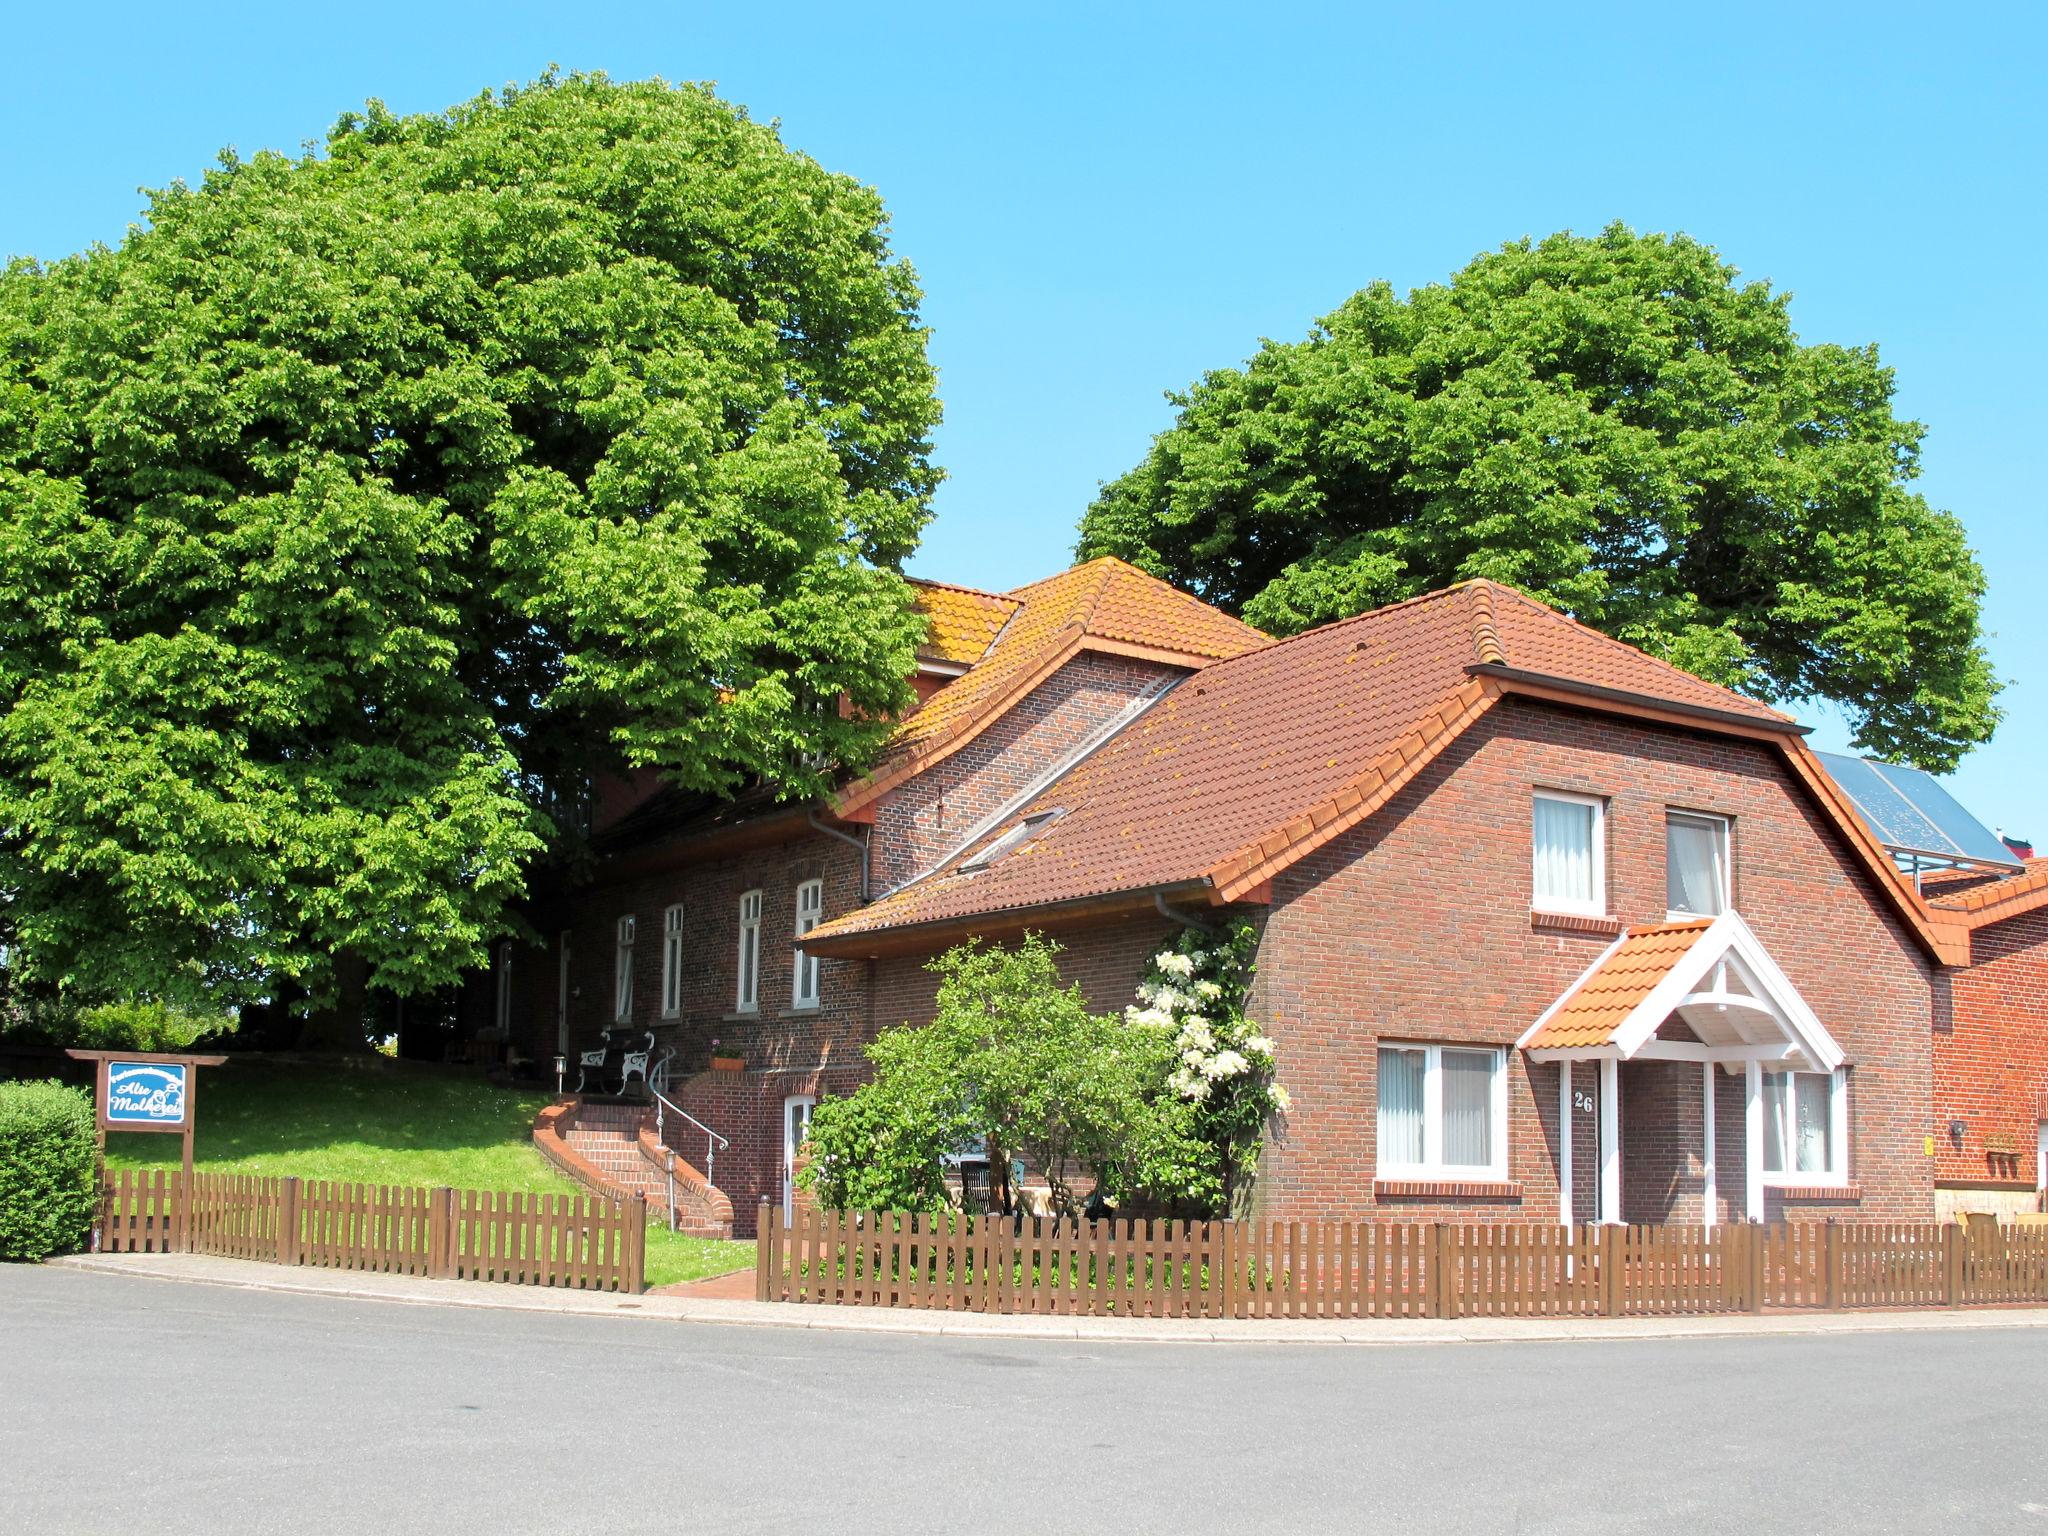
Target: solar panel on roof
column 1911, row 813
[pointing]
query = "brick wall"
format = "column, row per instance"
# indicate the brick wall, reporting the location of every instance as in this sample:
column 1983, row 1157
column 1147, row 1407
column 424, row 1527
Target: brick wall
column 1416, row 927
column 1991, row 1059
column 923, row 821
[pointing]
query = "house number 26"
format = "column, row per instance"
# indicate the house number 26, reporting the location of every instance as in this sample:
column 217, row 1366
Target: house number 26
column 1582, row 1102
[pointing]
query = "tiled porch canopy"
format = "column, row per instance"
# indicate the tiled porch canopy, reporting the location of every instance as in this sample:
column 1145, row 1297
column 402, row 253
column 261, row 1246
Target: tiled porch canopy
column 1715, row 979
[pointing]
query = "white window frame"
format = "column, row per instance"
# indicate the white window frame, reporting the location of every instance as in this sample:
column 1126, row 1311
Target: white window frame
column 1727, row 828
column 1788, row 1133
column 1597, row 907
column 747, row 991
column 810, row 911
column 622, row 969
column 503, row 978
column 672, row 961
column 790, row 1147
column 1433, row 1165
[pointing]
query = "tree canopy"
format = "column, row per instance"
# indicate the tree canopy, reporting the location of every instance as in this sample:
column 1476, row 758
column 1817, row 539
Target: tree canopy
column 361, row 504
column 1615, row 425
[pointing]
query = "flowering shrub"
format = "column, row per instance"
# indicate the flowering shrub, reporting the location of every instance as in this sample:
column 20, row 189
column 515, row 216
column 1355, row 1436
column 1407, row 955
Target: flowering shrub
column 1223, row 1067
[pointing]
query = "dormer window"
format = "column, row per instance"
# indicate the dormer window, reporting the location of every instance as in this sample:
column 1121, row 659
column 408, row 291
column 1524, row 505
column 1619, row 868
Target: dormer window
column 1012, row 839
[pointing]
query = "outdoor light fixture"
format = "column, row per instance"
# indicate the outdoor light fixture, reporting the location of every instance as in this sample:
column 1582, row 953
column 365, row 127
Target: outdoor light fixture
column 561, row 1072
column 1955, row 1131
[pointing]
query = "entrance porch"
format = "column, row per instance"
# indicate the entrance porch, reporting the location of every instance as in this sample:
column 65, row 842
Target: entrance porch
column 1708, row 1079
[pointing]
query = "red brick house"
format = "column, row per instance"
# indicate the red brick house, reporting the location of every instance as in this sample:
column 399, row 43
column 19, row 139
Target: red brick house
column 1549, row 929
column 1991, row 1053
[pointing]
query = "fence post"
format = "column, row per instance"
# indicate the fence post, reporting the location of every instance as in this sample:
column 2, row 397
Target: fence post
column 1952, row 1239
column 767, row 1272
column 1611, row 1266
column 633, row 1266
column 288, row 1220
column 181, row 1211
column 1443, row 1258
column 1831, row 1266
column 441, row 1239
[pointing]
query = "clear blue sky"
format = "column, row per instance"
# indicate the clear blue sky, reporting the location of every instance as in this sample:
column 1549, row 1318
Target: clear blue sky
column 1103, row 201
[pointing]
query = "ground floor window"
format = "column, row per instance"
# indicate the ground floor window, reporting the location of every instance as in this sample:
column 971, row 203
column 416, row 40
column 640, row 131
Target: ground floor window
column 1806, row 1126
column 1442, row 1112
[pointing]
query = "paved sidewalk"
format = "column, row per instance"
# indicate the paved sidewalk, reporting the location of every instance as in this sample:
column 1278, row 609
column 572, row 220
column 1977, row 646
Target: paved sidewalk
column 250, row 1275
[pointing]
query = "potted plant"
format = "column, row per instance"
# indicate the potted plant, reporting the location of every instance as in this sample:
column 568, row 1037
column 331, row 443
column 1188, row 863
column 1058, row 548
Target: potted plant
column 723, row 1060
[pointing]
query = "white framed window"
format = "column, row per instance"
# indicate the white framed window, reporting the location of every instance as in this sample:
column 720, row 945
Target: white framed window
column 747, row 997
column 672, row 962
column 1443, row 1112
column 796, row 1125
column 1806, row 1127
column 1696, row 882
column 810, row 911
column 1568, row 840
column 622, row 971
column 503, row 978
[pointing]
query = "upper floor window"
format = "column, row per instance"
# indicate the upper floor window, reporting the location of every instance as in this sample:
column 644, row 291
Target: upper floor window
column 748, row 997
column 622, row 971
column 1695, row 864
column 1443, row 1112
column 672, row 962
column 810, row 910
column 1806, row 1127
column 1569, row 840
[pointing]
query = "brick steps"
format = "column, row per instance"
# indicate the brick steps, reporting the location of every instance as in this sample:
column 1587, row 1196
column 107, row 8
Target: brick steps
column 615, row 1140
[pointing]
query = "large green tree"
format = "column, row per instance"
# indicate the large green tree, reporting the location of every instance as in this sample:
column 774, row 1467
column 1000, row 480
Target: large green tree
column 1616, row 425
column 360, row 505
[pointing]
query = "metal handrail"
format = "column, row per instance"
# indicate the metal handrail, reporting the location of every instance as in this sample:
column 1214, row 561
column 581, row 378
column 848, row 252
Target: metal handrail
column 712, row 1142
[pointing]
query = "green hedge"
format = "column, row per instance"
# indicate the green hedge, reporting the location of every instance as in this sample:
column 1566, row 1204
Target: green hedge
column 49, row 1159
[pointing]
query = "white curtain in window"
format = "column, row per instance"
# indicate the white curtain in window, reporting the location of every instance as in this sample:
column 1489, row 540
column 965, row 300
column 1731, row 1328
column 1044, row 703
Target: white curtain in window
column 1695, row 873
column 1468, row 1108
column 1777, row 1091
column 1564, row 852
column 1810, row 1110
column 1401, row 1079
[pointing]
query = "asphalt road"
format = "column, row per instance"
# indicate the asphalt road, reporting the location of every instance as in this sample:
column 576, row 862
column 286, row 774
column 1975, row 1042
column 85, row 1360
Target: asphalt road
column 144, row 1406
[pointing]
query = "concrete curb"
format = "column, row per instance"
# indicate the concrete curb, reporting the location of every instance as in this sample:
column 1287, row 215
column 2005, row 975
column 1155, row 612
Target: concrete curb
column 251, row 1275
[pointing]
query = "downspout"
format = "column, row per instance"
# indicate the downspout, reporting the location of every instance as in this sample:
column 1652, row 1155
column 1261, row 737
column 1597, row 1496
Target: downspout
column 846, row 837
column 1174, row 915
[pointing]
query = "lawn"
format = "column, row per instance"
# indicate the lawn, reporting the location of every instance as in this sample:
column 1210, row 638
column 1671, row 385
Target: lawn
column 377, row 1121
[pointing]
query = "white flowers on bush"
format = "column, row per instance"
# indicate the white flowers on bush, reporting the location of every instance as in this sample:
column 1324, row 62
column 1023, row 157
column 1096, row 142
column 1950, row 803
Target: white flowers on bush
column 1213, row 1049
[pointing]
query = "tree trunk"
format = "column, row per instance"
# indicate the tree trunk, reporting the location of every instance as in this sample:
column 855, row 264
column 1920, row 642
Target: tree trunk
column 340, row 1025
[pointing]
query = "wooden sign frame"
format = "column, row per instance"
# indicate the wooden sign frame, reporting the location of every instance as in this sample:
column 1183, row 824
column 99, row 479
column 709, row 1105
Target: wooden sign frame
column 103, row 1060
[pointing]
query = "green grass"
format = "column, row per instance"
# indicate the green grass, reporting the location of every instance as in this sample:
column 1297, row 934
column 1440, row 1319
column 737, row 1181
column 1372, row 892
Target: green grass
column 376, row 1121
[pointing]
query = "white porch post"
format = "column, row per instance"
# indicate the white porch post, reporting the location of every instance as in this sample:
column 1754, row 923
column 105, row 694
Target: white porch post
column 1564, row 1142
column 1610, row 1139
column 1753, row 1135
column 1709, row 1193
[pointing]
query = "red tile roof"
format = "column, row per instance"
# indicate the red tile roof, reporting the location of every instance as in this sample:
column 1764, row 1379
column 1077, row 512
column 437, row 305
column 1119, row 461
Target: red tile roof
column 1606, row 995
column 1104, row 605
column 1994, row 900
column 963, row 621
column 1245, row 766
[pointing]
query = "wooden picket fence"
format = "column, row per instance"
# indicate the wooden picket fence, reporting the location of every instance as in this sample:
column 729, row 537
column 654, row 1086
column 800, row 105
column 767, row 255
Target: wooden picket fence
column 577, row 1241
column 952, row 1261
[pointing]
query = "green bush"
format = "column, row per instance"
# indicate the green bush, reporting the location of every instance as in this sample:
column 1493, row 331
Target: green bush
column 49, row 1159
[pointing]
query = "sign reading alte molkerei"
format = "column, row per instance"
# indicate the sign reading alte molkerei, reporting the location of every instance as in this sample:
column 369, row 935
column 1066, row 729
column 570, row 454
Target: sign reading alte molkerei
column 147, row 1094
column 147, row 1091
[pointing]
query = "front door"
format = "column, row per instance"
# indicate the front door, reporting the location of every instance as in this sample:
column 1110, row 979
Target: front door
column 796, row 1123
